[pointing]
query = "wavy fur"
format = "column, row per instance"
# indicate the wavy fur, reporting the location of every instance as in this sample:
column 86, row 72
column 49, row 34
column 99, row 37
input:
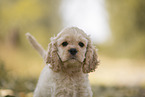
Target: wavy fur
column 66, row 75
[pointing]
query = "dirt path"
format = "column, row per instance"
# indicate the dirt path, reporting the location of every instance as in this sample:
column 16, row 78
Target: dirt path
column 120, row 72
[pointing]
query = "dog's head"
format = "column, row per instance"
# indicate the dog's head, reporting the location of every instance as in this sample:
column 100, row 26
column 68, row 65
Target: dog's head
column 72, row 48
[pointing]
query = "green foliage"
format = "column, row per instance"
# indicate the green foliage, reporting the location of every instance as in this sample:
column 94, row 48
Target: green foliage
column 39, row 17
column 127, row 22
column 3, row 75
column 17, row 84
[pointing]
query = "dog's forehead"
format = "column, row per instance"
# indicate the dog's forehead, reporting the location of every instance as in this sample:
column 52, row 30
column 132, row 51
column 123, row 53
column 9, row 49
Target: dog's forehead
column 72, row 32
column 72, row 37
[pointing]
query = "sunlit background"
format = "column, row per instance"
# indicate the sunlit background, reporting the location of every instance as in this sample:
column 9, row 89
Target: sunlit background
column 116, row 27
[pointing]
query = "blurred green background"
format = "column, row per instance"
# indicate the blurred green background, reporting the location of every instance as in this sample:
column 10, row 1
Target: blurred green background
column 122, row 69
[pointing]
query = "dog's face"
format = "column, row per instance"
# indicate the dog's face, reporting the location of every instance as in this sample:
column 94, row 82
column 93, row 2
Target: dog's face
column 72, row 49
column 72, row 46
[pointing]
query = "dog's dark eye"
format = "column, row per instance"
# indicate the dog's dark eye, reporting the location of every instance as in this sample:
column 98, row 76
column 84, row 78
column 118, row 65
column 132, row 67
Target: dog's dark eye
column 64, row 43
column 81, row 44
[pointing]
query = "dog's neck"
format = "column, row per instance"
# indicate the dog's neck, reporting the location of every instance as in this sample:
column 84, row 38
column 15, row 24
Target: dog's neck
column 72, row 71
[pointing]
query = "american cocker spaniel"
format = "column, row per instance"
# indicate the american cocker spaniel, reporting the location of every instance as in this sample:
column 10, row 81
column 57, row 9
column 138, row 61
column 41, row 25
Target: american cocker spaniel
column 69, row 59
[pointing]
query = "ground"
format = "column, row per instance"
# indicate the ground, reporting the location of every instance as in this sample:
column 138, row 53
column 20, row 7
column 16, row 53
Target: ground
column 114, row 77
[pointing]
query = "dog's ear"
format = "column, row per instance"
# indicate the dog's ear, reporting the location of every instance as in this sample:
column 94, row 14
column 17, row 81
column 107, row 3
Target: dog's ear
column 91, row 60
column 52, row 57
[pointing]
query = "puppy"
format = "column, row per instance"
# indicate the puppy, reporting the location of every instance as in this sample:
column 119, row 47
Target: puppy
column 69, row 59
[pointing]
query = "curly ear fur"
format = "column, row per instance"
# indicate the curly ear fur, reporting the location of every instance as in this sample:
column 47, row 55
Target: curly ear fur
column 90, row 62
column 52, row 57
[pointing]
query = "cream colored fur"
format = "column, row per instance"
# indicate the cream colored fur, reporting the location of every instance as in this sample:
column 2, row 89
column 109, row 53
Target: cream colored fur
column 66, row 75
column 36, row 45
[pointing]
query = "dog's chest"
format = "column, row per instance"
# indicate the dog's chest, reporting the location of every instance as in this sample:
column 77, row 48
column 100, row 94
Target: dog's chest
column 70, row 86
column 52, row 84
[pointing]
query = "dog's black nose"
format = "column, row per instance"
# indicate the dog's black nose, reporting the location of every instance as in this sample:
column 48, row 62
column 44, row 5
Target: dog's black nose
column 73, row 51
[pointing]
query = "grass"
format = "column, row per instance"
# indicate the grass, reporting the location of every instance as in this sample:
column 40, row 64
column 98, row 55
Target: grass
column 118, row 91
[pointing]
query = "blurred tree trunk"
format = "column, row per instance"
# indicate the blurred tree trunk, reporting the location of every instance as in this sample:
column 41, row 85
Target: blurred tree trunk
column 14, row 37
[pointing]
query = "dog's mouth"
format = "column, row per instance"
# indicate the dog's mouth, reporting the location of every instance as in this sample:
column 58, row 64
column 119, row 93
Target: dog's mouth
column 73, row 59
column 72, row 63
